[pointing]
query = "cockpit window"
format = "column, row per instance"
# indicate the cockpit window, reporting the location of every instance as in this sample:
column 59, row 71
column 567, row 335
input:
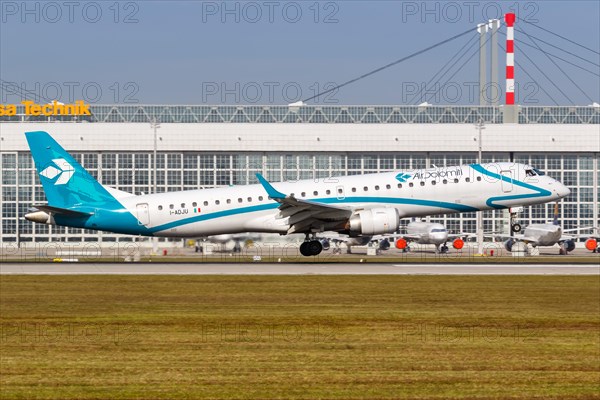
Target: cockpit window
column 534, row 172
column 438, row 230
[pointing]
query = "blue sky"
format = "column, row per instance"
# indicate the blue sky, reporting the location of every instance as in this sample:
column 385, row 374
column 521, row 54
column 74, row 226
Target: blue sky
column 271, row 52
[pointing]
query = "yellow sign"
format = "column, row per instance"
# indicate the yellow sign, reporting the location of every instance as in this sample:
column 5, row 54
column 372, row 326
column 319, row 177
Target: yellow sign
column 51, row 109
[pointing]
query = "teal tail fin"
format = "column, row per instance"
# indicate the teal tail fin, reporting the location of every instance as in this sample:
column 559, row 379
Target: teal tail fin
column 66, row 183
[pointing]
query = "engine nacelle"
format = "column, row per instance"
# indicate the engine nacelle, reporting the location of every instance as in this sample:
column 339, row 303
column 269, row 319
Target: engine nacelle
column 401, row 244
column 569, row 245
column 591, row 244
column 375, row 221
column 384, row 244
column 325, row 244
column 458, row 243
column 509, row 244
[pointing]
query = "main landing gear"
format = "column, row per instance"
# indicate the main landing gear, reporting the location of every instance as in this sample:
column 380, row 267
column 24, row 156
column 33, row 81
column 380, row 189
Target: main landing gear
column 311, row 247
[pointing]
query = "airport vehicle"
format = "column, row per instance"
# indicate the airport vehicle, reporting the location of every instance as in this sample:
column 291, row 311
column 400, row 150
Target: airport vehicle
column 422, row 232
column 360, row 205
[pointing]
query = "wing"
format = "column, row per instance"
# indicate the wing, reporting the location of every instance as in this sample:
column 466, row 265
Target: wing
column 303, row 215
column 516, row 238
column 411, row 237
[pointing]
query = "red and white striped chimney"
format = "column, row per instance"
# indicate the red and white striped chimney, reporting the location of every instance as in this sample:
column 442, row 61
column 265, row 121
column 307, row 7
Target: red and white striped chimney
column 510, row 58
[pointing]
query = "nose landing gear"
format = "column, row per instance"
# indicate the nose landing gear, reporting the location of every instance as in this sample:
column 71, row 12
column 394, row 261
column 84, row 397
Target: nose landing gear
column 515, row 227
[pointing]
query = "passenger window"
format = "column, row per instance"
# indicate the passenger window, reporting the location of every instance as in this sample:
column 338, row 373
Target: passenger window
column 467, row 179
column 433, row 182
column 159, row 208
column 249, row 199
column 411, row 184
column 228, row 201
column 260, row 198
column 182, row 205
column 366, row 189
column 445, row 181
column 399, row 186
column 340, row 191
column 240, row 200
column 303, row 194
column 217, row 202
column 376, row 187
column 455, row 180
column 315, row 193
column 171, row 206
column 422, row 183
column 206, row 203
column 388, row 186
column 479, row 179
column 194, row 204
column 328, row 191
column 354, row 190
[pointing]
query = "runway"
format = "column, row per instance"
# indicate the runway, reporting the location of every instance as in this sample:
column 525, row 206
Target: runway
column 294, row 269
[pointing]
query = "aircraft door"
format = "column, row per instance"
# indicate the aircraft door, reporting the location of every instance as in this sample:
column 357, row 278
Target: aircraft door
column 339, row 191
column 507, row 181
column 143, row 214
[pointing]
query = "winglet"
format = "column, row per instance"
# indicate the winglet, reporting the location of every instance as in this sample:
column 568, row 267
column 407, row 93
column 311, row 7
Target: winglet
column 271, row 191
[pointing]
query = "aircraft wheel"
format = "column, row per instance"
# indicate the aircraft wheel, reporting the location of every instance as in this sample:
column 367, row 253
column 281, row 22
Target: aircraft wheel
column 314, row 247
column 516, row 228
column 304, row 249
column 444, row 249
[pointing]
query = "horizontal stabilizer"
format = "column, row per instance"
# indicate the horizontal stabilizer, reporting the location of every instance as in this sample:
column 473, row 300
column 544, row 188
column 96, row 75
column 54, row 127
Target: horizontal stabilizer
column 62, row 211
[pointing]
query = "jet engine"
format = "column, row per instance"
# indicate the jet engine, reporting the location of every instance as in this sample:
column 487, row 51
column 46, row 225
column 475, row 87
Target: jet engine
column 384, row 244
column 325, row 243
column 509, row 244
column 401, row 244
column 458, row 243
column 375, row 221
column 569, row 245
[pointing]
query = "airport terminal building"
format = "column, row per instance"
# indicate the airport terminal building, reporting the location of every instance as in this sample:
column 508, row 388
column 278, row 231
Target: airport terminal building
column 208, row 146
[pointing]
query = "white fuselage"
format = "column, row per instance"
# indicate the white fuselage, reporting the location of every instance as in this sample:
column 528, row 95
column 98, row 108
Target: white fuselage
column 413, row 194
column 426, row 233
column 543, row 234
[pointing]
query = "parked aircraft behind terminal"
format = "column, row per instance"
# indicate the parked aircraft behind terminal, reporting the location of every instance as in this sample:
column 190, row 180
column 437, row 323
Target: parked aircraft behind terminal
column 422, row 232
column 360, row 205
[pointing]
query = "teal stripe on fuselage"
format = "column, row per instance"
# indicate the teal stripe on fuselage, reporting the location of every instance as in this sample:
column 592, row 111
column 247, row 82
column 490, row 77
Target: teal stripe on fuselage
column 274, row 205
column 539, row 192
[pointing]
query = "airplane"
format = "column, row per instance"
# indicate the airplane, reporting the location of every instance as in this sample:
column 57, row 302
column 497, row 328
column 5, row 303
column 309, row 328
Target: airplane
column 226, row 238
column 546, row 235
column 422, row 232
column 380, row 241
column 359, row 205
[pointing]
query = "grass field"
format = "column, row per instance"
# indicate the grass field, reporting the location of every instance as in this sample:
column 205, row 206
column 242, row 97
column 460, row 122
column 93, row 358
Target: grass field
column 417, row 337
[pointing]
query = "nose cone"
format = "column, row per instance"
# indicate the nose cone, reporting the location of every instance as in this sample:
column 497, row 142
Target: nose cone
column 562, row 190
column 439, row 237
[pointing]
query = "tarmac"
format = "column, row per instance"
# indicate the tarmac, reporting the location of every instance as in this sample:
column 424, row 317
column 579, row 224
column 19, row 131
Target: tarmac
column 293, row 269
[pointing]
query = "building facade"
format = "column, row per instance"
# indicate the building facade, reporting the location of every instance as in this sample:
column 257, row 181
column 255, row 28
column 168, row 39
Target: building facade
column 204, row 146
